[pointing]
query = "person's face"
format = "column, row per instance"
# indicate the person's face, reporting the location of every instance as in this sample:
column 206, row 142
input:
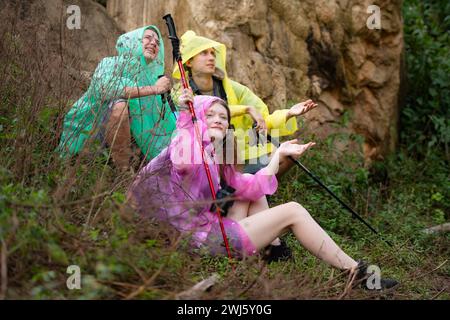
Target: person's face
column 204, row 62
column 217, row 121
column 150, row 45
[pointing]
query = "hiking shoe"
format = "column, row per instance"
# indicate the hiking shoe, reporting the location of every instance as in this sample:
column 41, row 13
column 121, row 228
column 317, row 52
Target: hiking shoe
column 281, row 252
column 363, row 276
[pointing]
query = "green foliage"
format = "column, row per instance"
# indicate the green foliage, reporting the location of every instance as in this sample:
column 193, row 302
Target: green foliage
column 117, row 253
column 55, row 213
column 426, row 117
column 399, row 197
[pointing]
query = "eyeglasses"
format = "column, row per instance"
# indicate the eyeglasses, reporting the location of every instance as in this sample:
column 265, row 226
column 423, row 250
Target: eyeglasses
column 150, row 39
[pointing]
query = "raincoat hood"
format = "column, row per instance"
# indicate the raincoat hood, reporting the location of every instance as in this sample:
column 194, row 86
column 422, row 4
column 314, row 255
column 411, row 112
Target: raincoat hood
column 192, row 44
column 130, row 45
column 203, row 103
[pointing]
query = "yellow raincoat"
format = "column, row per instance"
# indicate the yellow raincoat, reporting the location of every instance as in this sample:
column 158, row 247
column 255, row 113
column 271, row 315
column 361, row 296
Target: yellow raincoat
column 239, row 97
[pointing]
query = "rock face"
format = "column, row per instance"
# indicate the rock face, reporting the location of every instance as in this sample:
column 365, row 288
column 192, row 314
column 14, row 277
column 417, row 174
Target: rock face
column 284, row 50
column 290, row 50
column 41, row 28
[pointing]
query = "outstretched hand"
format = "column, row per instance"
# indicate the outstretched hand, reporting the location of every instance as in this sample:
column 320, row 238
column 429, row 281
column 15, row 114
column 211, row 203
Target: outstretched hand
column 293, row 148
column 301, row 108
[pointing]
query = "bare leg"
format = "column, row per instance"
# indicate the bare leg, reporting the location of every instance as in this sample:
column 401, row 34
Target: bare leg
column 258, row 206
column 118, row 136
column 243, row 209
column 263, row 227
column 239, row 210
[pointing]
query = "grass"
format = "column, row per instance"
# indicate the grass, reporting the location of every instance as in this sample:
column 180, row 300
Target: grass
column 55, row 213
column 44, row 231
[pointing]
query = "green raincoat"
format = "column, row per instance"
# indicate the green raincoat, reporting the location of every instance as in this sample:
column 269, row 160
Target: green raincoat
column 150, row 121
column 239, row 97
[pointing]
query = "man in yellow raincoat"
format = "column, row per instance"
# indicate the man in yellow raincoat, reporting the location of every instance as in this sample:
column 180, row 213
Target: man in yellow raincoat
column 205, row 61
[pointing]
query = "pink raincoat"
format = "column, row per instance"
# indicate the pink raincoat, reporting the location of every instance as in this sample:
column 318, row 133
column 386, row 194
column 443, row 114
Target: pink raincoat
column 174, row 187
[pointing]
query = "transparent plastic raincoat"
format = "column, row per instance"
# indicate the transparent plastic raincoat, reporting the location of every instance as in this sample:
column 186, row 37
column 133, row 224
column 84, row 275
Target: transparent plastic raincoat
column 150, row 121
column 174, row 187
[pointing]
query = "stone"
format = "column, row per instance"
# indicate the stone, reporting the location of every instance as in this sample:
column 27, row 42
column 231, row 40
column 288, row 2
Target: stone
column 69, row 56
column 372, row 75
column 331, row 102
column 286, row 51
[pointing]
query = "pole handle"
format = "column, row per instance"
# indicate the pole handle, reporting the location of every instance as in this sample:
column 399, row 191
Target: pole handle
column 170, row 26
column 173, row 36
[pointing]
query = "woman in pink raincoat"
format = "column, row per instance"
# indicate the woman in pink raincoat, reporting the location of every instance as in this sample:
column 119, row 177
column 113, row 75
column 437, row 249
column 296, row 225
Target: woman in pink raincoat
column 174, row 188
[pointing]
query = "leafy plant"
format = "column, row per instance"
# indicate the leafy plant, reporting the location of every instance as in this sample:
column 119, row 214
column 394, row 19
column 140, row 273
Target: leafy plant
column 425, row 120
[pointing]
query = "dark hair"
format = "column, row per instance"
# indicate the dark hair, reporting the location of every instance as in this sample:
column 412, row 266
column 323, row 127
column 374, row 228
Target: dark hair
column 228, row 140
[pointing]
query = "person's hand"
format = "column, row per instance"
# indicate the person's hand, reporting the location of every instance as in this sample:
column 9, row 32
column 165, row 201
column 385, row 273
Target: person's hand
column 258, row 118
column 301, row 108
column 163, row 85
column 185, row 97
column 293, row 149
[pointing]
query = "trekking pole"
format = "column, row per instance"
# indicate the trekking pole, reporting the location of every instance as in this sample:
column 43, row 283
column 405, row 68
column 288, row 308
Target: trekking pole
column 276, row 143
column 177, row 57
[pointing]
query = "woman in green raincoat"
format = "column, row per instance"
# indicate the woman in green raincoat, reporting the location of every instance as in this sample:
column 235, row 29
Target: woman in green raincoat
column 123, row 104
column 205, row 61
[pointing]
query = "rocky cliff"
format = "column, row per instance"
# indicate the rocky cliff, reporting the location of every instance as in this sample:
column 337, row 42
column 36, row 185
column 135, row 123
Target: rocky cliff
column 290, row 50
column 284, row 50
column 40, row 31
